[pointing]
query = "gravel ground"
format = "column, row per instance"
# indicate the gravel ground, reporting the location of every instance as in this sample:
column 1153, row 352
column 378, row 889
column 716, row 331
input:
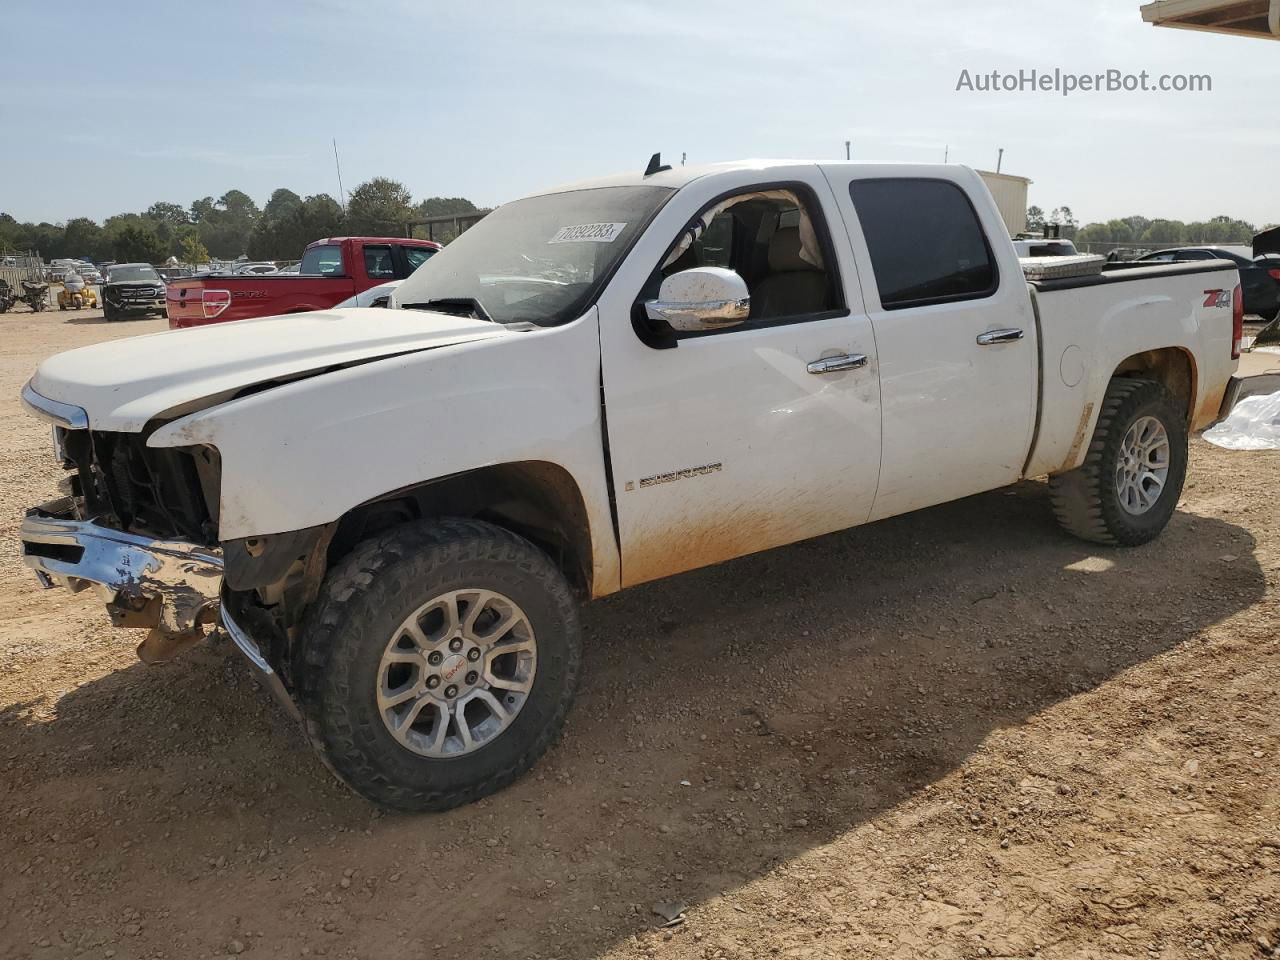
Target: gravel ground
column 954, row 734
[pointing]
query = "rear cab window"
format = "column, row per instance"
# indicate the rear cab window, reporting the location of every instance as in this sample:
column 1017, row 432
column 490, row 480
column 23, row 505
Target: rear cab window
column 378, row 264
column 417, row 256
column 323, row 261
column 925, row 240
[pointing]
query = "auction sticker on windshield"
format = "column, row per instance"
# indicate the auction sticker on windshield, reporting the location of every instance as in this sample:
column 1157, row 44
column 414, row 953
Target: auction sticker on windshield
column 591, row 232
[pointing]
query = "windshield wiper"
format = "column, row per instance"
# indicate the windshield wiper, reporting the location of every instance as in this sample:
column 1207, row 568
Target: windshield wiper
column 454, row 306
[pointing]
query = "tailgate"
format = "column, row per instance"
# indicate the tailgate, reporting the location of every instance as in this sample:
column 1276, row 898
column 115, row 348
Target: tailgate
column 184, row 303
column 198, row 301
column 195, row 302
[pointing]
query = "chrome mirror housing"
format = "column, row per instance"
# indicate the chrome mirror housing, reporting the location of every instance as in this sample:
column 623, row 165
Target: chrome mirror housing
column 701, row 298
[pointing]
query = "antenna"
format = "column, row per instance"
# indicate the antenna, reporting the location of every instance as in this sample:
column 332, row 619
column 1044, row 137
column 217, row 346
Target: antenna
column 655, row 165
column 999, row 159
column 341, row 194
column 946, row 153
column 847, row 145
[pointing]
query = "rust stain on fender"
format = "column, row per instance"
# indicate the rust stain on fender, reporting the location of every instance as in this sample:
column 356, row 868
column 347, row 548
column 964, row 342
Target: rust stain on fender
column 1209, row 410
column 1078, row 440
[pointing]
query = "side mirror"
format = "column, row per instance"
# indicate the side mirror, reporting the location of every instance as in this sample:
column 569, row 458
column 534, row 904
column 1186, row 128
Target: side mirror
column 702, row 298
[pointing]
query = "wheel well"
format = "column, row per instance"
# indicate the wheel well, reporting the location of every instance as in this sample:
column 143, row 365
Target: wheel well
column 538, row 500
column 1171, row 366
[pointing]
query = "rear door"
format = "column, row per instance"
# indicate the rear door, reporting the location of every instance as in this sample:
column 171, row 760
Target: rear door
column 953, row 329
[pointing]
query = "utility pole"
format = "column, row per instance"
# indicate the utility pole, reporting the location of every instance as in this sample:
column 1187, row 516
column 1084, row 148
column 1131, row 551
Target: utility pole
column 1000, row 160
column 846, row 150
column 342, row 197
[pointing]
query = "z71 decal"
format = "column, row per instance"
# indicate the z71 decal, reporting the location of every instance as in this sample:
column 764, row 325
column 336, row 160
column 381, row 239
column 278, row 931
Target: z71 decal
column 1217, row 298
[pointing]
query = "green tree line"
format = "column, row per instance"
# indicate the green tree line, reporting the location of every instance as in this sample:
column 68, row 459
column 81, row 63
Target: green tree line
column 1144, row 231
column 230, row 226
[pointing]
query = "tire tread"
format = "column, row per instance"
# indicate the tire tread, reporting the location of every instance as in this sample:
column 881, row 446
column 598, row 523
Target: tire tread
column 1078, row 495
column 325, row 708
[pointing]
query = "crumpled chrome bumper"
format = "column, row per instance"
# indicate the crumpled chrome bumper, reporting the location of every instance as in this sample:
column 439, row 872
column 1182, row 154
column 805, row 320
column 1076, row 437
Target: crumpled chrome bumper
column 172, row 586
column 266, row 673
column 169, row 584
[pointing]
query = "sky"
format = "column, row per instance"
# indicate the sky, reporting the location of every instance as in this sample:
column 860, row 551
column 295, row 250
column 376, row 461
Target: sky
column 493, row 100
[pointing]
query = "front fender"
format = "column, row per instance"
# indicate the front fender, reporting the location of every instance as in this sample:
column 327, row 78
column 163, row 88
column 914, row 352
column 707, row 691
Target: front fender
column 304, row 453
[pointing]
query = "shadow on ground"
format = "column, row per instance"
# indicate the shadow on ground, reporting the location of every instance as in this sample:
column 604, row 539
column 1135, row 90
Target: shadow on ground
column 799, row 693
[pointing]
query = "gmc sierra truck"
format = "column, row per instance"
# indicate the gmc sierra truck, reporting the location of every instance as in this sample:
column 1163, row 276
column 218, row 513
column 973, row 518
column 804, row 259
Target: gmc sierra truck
column 394, row 512
column 332, row 270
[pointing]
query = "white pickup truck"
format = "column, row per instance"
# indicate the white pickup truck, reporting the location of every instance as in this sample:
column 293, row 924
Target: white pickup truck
column 394, row 512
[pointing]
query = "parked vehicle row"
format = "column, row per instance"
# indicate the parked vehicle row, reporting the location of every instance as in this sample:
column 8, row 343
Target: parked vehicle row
column 394, row 512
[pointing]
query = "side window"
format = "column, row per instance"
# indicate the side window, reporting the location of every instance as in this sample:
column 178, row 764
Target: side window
column 925, row 241
column 769, row 238
column 322, row 261
column 1184, row 255
column 417, row 256
column 377, row 262
column 716, row 242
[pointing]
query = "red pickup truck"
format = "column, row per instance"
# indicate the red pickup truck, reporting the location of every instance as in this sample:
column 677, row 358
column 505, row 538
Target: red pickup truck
column 332, row 270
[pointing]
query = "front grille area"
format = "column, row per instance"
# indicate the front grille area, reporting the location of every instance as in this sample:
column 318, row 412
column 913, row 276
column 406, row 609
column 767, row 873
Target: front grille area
column 129, row 294
column 163, row 493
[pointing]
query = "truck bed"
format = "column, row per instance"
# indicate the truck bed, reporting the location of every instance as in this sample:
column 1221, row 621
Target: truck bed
column 1129, row 272
column 1116, row 312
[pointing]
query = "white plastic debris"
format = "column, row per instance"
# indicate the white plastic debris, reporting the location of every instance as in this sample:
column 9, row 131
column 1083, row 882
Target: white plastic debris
column 1253, row 424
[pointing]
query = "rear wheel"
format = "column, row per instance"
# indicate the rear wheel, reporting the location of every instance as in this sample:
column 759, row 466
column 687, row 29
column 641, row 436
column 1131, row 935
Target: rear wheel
column 438, row 663
column 1129, row 484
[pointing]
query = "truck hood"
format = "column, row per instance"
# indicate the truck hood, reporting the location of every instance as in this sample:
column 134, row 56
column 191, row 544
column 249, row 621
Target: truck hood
column 123, row 384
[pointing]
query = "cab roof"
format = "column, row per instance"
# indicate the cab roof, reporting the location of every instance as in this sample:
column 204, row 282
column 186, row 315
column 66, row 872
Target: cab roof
column 674, row 178
column 680, row 176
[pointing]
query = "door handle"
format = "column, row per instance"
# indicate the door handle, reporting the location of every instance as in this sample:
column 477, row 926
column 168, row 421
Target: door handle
column 846, row 361
column 1005, row 335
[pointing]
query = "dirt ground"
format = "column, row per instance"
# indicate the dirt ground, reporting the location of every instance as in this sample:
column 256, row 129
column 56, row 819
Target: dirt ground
column 956, row 734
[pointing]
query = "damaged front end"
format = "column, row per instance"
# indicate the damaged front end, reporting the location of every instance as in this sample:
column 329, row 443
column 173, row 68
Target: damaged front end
column 139, row 526
column 171, row 586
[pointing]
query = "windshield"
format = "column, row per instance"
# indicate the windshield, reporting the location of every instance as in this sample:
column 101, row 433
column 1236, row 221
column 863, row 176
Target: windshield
column 131, row 272
column 538, row 260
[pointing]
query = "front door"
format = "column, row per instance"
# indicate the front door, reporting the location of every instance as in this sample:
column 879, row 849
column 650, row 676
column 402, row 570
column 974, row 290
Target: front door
column 728, row 442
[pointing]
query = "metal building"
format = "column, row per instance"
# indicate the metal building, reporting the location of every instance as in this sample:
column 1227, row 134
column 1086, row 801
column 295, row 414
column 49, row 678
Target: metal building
column 1010, row 195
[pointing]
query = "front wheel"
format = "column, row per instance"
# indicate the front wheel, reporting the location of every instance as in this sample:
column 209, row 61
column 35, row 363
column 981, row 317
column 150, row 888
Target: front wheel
column 438, row 663
column 1129, row 484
